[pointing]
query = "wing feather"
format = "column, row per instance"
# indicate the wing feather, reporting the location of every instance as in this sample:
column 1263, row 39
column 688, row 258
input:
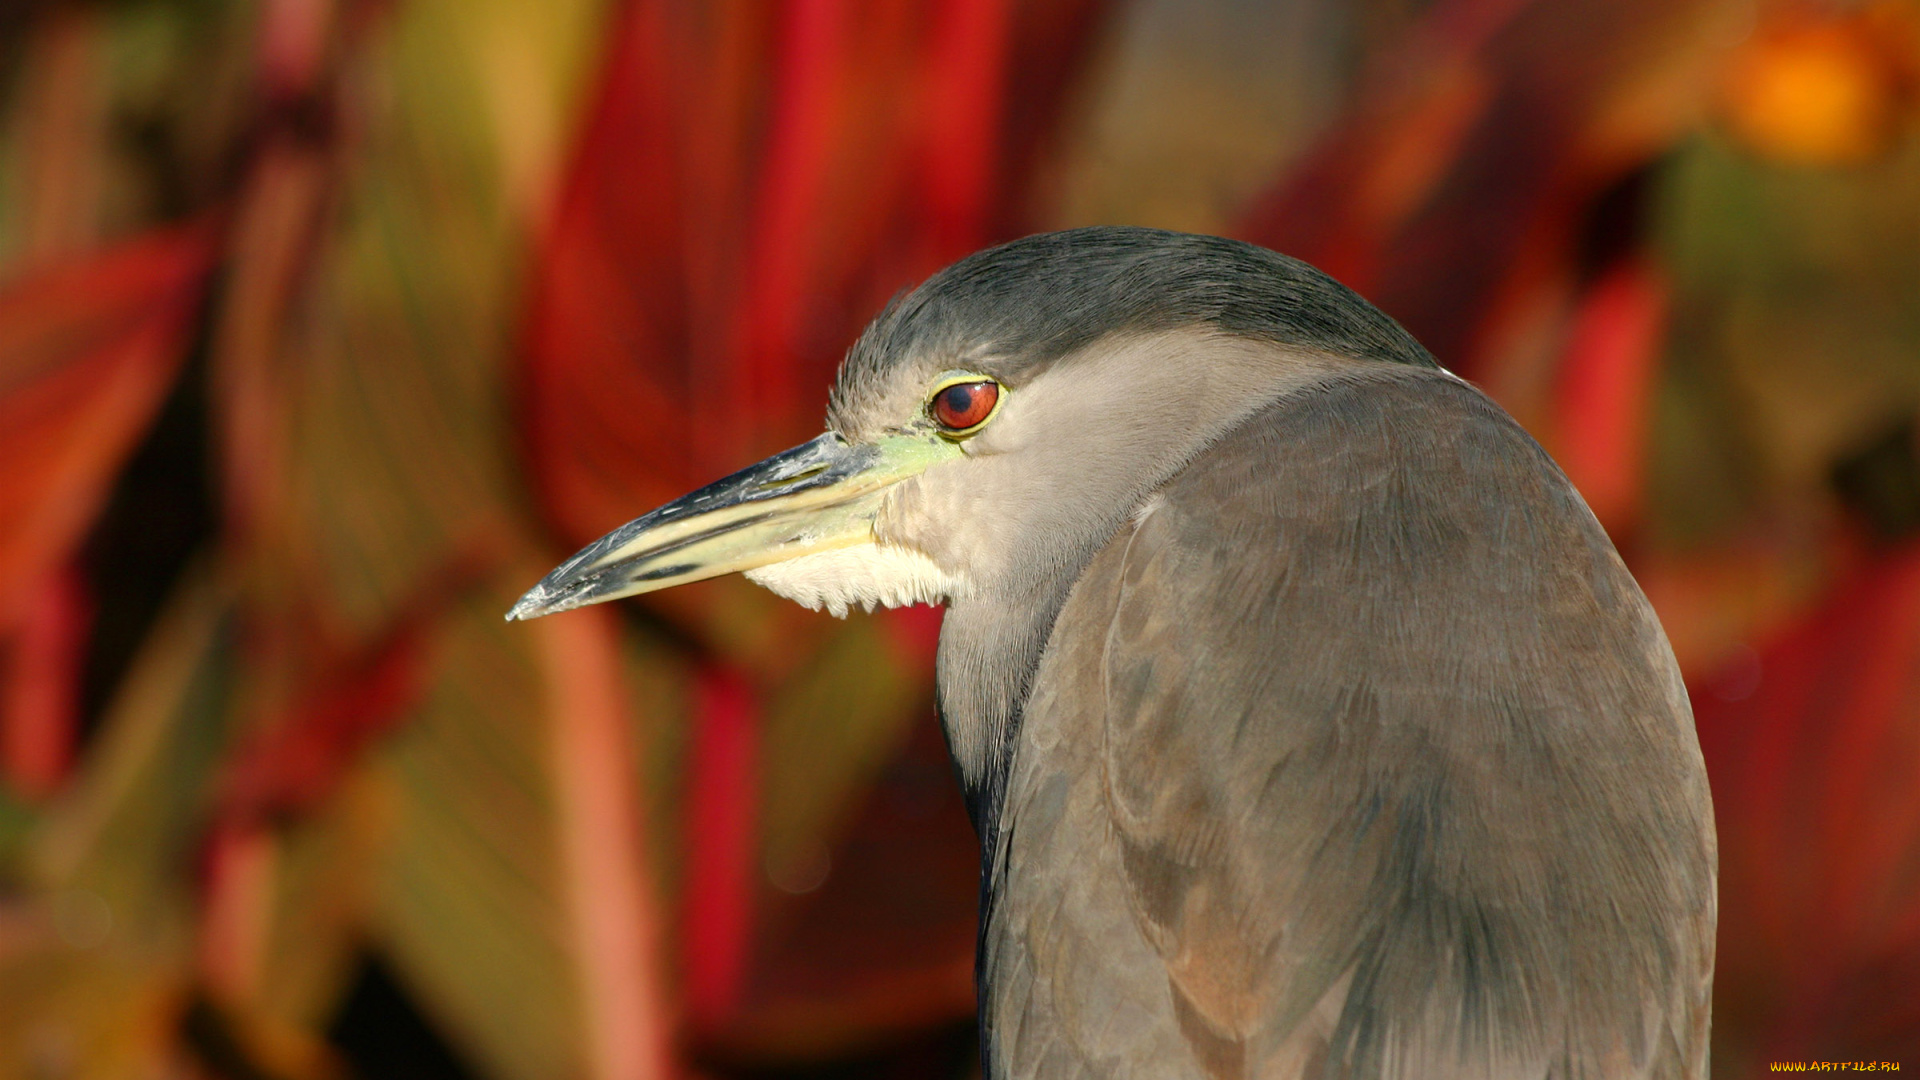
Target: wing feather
column 1362, row 755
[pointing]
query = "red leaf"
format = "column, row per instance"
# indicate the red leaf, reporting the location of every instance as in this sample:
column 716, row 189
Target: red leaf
column 814, row 47
column 722, row 846
column 722, row 237
column 39, row 710
column 1456, row 184
column 1813, row 747
column 965, row 87
column 87, row 352
column 236, row 867
column 612, row 918
column 302, row 758
column 606, row 422
column 1604, row 400
column 1342, row 207
column 1048, row 46
column 293, row 763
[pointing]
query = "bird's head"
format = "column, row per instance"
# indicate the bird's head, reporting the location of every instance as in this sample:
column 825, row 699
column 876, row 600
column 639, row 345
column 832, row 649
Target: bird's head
column 993, row 426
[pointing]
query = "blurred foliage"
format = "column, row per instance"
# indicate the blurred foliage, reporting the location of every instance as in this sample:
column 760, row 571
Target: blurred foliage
column 327, row 325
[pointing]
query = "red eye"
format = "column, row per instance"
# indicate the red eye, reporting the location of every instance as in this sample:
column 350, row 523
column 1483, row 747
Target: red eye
column 965, row 405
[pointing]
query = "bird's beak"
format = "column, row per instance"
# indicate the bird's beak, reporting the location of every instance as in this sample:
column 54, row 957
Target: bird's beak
column 815, row 497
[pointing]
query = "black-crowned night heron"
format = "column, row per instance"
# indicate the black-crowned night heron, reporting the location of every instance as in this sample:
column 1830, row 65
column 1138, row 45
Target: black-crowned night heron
column 1311, row 725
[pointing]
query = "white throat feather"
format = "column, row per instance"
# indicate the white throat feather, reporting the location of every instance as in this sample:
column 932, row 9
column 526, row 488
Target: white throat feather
column 866, row 575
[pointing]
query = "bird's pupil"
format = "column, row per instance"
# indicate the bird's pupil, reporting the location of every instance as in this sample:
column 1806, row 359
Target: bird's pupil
column 964, row 405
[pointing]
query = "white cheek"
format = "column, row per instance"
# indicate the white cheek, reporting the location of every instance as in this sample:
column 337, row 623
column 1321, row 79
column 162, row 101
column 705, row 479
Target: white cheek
column 865, row 575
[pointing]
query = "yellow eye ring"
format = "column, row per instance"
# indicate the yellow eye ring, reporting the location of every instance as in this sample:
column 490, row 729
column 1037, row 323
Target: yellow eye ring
column 963, row 403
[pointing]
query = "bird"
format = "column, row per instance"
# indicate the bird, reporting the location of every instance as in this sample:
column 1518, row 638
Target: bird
column 1310, row 723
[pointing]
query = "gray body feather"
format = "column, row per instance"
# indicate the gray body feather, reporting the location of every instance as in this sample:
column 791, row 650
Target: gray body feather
column 1356, row 753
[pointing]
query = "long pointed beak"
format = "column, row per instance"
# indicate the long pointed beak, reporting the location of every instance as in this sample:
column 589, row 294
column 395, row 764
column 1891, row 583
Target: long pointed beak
column 817, row 496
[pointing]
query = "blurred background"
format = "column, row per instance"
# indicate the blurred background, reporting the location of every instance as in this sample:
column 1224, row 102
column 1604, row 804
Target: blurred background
column 328, row 326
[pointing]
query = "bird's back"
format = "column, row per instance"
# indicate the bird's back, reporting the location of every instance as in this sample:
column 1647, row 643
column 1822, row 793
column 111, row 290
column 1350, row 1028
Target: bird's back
column 1357, row 753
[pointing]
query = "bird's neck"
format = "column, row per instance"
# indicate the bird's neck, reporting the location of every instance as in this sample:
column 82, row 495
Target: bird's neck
column 990, row 647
